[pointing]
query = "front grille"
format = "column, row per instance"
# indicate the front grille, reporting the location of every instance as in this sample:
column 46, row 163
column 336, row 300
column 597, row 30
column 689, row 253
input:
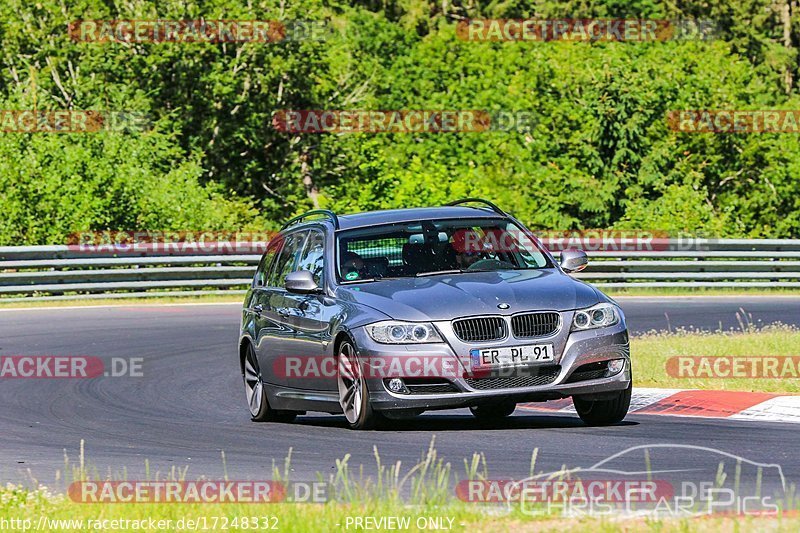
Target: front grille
column 535, row 324
column 589, row 371
column 545, row 376
column 490, row 328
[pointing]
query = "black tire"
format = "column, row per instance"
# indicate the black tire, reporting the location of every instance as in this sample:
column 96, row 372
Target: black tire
column 604, row 412
column 493, row 412
column 358, row 415
column 256, row 390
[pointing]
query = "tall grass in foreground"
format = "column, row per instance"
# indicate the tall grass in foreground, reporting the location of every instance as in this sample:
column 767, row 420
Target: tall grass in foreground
column 420, row 491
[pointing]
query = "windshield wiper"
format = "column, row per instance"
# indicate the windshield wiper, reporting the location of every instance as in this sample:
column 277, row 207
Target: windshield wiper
column 363, row 280
column 437, row 272
column 352, row 281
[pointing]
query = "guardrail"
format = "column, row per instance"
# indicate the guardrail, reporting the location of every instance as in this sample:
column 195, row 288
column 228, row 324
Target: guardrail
column 65, row 272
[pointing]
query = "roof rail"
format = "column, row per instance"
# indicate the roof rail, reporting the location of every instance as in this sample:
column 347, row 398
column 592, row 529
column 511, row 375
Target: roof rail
column 487, row 203
column 325, row 212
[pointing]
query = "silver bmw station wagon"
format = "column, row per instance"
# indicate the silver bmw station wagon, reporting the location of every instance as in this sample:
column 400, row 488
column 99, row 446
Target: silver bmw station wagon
column 387, row 314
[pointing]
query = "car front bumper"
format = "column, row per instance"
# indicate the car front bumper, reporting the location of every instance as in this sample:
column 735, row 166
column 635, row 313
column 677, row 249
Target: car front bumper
column 573, row 350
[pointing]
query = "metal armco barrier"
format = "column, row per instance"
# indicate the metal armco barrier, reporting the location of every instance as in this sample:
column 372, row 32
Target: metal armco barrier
column 63, row 272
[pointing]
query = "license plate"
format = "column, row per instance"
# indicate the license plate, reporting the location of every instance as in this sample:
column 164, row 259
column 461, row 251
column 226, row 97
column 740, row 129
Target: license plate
column 511, row 356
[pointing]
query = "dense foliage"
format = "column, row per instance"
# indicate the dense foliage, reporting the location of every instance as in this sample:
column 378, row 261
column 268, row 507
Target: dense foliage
column 597, row 154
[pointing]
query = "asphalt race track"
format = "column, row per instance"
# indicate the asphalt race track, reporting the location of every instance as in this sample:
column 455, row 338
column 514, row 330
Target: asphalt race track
column 708, row 313
column 189, row 404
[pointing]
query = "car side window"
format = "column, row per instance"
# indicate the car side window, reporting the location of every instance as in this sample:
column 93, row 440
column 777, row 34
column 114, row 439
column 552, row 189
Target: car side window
column 312, row 258
column 266, row 262
column 288, row 258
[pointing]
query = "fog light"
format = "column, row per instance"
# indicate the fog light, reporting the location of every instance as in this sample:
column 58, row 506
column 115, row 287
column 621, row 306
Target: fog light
column 396, row 385
column 615, row 366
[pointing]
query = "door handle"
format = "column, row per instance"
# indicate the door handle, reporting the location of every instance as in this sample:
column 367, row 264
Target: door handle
column 258, row 308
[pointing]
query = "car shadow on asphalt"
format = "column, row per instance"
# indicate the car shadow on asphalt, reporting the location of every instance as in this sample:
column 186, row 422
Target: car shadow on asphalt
column 448, row 422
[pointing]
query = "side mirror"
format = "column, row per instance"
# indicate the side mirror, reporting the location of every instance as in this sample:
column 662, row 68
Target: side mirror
column 301, row 282
column 573, row 260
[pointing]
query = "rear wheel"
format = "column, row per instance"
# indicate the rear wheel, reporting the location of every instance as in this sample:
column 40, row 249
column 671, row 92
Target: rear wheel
column 495, row 411
column 353, row 391
column 604, row 412
column 256, row 392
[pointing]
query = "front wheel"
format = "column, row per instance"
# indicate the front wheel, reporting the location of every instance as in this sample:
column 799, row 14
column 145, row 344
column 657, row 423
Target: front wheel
column 255, row 389
column 604, row 412
column 353, row 391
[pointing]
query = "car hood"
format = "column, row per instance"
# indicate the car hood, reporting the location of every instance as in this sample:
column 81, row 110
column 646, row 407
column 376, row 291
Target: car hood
column 448, row 296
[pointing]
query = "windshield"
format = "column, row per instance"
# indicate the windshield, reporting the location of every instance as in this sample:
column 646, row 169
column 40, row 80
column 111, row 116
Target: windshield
column 432, row 247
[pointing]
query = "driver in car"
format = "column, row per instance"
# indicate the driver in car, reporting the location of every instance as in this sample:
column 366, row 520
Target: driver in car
column 469, row 248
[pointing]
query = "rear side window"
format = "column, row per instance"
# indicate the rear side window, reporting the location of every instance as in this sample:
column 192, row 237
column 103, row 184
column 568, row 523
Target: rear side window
column 288, row 258
column 312, row 258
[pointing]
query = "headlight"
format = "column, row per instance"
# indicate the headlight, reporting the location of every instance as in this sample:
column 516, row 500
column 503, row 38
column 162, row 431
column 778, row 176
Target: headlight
column 599, row 316
column 392, row 332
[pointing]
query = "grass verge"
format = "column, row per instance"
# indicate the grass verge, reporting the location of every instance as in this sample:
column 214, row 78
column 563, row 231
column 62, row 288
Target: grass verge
column 418, row 498
column 651, row 353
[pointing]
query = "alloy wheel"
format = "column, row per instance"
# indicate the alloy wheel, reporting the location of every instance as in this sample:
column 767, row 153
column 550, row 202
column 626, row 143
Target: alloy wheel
column 252, row 381
column 350, row 382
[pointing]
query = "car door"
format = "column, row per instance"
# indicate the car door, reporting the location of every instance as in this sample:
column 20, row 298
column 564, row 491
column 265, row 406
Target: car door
column 276, row 335
column 254, row 318
column 309, row 316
